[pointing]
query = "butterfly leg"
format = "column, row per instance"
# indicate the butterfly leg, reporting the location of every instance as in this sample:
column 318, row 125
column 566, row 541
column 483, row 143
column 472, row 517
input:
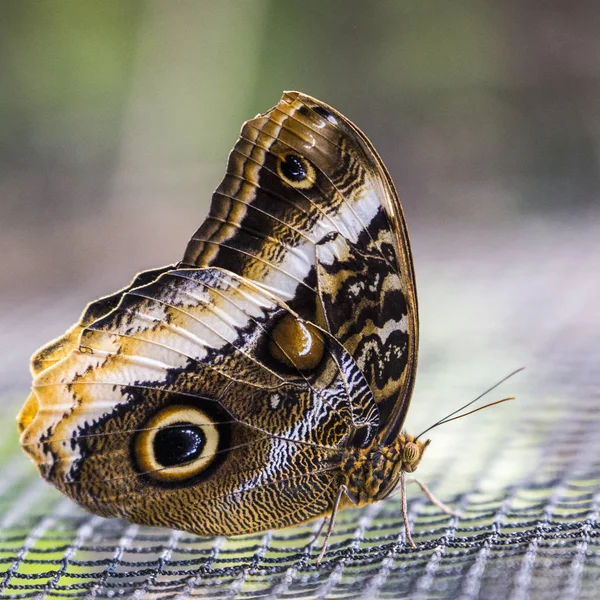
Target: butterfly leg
column 408, row 535
column 342, row 491
column 318, row 534
column 443, row 507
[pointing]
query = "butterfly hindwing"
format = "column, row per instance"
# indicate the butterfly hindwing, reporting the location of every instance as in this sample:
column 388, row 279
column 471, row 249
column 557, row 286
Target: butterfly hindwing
column 199, row 339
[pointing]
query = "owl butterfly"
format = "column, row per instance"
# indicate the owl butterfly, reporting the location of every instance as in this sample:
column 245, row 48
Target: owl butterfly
column 264, row 380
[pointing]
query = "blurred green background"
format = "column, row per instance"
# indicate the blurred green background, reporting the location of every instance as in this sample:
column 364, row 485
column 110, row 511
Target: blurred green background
column 117, row 116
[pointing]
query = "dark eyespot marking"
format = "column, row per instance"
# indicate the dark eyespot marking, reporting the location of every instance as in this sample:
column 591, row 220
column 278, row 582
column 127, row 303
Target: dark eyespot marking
column 296, row 171
column 297, row 343
column 179, row 444
column 293, row 167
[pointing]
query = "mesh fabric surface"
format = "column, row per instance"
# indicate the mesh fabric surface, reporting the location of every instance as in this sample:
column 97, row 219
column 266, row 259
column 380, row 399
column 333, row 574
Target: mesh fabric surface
column 526, row 475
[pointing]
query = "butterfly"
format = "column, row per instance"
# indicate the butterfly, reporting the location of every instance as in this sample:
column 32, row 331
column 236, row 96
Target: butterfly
column 263, row 381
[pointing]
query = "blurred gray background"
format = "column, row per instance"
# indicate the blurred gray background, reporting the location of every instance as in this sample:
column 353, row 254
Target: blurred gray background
column 117, row 117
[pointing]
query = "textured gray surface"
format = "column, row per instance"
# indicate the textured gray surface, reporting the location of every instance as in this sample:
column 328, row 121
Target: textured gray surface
column 526, row 474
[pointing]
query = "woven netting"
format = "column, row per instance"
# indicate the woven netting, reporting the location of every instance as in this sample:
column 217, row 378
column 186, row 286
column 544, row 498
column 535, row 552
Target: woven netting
column 526, row 475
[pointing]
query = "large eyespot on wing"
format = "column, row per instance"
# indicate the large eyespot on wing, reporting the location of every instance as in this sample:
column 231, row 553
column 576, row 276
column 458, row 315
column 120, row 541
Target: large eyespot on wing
column 297, row 343
column 177, row 444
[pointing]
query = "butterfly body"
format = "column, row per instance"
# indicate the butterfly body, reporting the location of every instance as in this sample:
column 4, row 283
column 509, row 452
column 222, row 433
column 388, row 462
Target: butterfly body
column 373, row 473
column 262, row 381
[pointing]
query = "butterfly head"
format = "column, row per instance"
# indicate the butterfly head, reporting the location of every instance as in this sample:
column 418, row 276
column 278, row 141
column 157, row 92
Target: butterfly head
column 411, row 451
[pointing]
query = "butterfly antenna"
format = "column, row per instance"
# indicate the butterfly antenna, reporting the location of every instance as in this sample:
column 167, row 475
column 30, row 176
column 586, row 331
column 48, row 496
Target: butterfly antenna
column 451, row 416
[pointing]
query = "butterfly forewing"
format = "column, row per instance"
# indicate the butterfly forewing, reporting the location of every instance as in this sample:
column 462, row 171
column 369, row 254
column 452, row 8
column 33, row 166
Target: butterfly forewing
column 270, row 233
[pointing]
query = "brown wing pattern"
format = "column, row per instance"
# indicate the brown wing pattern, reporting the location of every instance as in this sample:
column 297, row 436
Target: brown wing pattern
column 196, row 340
column 298, row 174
